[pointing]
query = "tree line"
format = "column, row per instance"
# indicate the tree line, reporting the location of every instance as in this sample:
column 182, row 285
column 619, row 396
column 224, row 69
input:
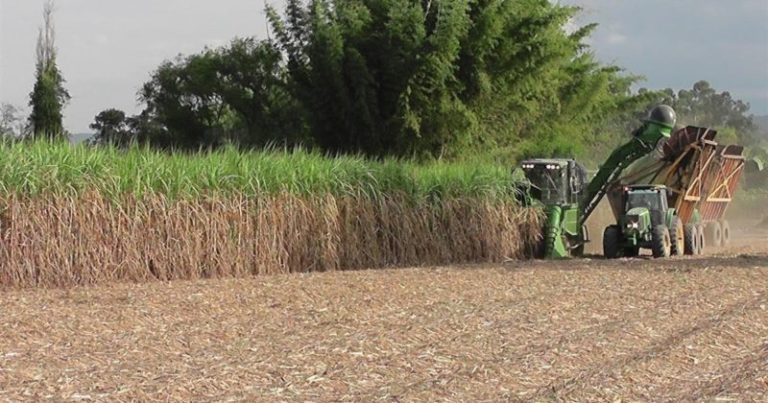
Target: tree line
column 388, row 77
column 426, row 78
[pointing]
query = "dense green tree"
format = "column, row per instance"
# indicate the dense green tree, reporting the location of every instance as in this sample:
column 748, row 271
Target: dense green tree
column 704, row 106
column 500, row 78
column 111, row 128
column 444, row 76
column 234, row 94
column 48, row 97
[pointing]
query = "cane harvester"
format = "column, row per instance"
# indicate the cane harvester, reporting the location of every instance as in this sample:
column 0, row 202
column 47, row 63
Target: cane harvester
column 698, row 177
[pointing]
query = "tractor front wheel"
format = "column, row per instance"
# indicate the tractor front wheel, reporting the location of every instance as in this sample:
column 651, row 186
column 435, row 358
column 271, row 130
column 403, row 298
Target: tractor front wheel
column 578, row 251
column 611, row 242
column 632, row 251
column 661, row 241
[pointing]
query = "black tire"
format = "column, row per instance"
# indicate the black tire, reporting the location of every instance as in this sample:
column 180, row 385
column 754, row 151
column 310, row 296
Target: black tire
column 702, row 240
column 632, row 251
column 578, row 251
column 691, row 240
column 539, row 249
column 713, row 234
column 661, row 241
column 611, row 242
column 725, row 230
column 677, row 232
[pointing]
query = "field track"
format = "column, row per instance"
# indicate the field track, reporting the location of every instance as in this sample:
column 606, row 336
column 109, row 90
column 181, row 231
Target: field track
column 687, row 329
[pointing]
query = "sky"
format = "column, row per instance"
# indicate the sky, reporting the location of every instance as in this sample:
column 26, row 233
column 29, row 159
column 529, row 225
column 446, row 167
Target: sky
column 108, row 48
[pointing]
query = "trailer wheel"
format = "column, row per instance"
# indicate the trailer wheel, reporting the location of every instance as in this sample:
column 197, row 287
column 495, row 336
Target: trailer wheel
column 661, row 241
column 691, row 239
column 611, row 241
column 714, row 234
column 702, row 239
column 725, row 230
column 678, row 237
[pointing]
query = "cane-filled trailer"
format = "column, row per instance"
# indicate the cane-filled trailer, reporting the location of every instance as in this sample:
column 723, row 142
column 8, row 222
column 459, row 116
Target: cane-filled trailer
column 700, row 178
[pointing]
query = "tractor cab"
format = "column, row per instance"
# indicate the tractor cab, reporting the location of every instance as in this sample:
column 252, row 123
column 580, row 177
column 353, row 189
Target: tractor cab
column 555, row 181
column 651, row 200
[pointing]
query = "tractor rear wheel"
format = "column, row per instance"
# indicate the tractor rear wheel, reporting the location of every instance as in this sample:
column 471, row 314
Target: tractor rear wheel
column 691, row 239
column 661, row 241
column 725, row 230
column 702, row 240
column 677, row 232
column 714, row 234
column 611, row 242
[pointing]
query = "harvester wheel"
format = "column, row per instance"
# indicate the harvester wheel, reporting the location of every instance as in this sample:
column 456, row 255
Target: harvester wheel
column 725, row 231
column 677, row 233
column 691, row 239
column 661, row 241
column 702, row 239
column 611, row 242
column 539, row 249
column 714, row 234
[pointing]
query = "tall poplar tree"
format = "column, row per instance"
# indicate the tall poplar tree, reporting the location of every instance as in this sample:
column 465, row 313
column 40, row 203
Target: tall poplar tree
column 49, row 96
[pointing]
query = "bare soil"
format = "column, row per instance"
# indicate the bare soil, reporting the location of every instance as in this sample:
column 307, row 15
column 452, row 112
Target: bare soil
column 683, row 329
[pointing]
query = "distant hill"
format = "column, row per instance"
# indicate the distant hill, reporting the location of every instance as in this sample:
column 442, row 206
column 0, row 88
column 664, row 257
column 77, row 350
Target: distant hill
column 77, row 138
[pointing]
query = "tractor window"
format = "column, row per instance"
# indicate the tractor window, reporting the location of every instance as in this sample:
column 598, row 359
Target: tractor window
column 651, row 201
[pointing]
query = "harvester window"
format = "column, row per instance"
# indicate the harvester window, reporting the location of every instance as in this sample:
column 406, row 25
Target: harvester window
column 550, row 181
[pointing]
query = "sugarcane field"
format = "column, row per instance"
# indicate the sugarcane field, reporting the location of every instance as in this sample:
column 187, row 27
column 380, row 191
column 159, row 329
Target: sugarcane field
column 384, row 200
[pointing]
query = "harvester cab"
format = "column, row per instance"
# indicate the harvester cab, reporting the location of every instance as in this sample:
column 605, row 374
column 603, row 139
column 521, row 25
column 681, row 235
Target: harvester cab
column 555, row 181
column 647, row 221
column 557, row 185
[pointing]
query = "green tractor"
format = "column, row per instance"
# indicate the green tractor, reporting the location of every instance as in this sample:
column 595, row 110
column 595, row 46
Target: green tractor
column 645, row 222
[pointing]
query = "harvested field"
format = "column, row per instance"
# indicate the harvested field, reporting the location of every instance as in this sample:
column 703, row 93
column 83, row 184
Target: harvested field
column 636, row 330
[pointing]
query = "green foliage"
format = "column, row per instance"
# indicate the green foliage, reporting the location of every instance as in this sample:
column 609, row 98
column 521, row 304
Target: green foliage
column 234, row 94
column 440, row 78
column 48, row 96
column 703, row 106
column 111, row 128
column 39, row 167
column 445, row 77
